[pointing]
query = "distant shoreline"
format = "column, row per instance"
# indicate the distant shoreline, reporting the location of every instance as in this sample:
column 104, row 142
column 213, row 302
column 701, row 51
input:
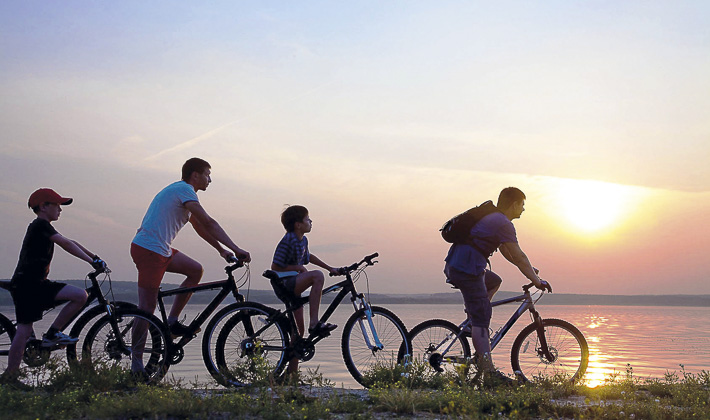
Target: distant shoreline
column 126, row 291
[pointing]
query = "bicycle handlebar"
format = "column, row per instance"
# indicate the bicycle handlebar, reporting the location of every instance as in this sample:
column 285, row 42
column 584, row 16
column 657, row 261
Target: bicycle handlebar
column 545, row 286
column 96, row 272
column 349, row 269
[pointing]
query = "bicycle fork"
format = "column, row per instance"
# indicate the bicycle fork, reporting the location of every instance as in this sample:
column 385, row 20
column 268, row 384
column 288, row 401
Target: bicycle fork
column 543, row 351
column 368, row 315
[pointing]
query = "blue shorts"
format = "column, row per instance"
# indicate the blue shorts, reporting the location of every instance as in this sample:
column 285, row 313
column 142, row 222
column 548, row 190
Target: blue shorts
column 475, row 294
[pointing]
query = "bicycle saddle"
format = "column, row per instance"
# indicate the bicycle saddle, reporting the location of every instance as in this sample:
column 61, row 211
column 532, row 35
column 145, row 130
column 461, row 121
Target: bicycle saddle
column 277, row 283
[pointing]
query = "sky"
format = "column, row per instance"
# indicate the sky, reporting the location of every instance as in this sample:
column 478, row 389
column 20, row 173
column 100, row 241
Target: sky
column 383, row 118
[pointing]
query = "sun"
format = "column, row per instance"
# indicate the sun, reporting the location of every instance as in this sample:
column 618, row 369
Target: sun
column 593, row 206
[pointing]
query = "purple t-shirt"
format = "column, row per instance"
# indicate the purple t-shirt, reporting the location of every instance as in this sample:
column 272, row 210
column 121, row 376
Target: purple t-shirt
column 491, row 231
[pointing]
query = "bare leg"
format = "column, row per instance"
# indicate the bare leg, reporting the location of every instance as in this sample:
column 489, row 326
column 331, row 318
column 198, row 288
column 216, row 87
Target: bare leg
column 17, row 348
column 182, row 264
column 76, row 297
column 482, row 343
column 147, row 301
column 314, row 280
column 298, row 316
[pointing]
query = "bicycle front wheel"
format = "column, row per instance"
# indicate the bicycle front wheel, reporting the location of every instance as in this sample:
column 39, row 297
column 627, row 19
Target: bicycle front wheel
column 567, row 358
column 437, row 343
column 7, row 333
column 82, row 325
column 112, row 342
column 360, row 342
column 249, row 345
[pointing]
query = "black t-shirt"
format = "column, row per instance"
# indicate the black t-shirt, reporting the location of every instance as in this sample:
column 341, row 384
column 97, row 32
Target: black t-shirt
column 36, row 253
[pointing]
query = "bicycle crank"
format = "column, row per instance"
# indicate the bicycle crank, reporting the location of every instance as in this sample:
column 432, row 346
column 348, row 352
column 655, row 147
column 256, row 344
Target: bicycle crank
column 177, row 355
column 35, row 355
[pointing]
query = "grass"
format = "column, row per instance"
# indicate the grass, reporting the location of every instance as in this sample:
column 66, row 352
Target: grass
column 109, row 393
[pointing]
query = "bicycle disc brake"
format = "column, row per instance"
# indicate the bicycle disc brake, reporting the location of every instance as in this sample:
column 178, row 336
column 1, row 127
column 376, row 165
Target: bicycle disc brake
column 543, row 358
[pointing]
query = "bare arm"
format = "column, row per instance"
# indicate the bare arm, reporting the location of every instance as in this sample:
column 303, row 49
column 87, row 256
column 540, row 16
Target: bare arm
column 513, row 253
column 209, row 230
column 72, row 247
column 89, row 253
column 317, row 261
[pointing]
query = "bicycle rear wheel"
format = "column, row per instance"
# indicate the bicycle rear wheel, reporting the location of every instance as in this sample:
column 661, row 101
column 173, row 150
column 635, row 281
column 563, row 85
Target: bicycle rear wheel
column 7, row 333
column 109, row 343
column 569, row 353
column 362, row 357
column 436, row 343
column 241, row 356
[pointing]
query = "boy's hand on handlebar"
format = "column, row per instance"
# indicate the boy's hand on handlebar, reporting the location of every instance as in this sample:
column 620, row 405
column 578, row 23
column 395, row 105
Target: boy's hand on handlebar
column 337, row 271
column 98, row 264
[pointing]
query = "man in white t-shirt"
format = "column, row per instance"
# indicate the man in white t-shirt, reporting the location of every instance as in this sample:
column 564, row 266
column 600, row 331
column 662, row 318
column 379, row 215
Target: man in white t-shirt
column 169, row 211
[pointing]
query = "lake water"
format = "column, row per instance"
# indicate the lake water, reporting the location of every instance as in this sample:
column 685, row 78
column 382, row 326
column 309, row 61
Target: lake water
column 652, row 339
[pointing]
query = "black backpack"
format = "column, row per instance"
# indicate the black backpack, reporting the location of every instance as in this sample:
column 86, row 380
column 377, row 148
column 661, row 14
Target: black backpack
column 457, row 230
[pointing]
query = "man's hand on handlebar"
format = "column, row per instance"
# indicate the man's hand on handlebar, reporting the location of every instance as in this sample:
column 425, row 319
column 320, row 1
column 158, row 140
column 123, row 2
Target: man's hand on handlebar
column 544, row 286
column 241, row 255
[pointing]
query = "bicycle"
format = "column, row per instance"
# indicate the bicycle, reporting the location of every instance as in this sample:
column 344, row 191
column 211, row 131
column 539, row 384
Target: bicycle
column 102, row 342
column 546, row 348
column 35, row 354
column 254, row 341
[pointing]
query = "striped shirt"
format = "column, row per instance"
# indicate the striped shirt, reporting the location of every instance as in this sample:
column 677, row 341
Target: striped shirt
column 291, row 251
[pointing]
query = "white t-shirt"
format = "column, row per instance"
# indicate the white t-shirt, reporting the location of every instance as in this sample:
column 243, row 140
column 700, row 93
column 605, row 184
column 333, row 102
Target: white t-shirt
column 164, row 218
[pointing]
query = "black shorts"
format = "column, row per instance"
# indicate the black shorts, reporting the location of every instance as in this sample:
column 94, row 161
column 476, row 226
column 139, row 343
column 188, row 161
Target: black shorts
column 32, row 299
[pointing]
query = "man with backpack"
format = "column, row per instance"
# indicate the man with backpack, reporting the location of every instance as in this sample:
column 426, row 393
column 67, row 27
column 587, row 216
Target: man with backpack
column 476, row 234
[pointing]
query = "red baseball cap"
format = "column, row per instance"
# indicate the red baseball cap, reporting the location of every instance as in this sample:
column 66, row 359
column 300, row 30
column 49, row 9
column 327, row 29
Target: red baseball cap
column 47, row 195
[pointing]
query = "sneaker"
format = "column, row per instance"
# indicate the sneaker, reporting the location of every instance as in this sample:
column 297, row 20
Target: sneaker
column 497, row 378
column 178, row 330
column 59, row 339
column 322, row 329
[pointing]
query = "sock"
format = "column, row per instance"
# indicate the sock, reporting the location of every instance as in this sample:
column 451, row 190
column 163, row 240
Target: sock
column 172, row 320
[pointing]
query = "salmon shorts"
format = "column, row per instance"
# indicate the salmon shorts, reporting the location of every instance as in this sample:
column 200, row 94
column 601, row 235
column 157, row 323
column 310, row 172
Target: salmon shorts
column 151, row 266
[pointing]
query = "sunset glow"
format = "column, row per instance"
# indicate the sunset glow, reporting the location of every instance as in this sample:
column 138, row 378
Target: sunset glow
column 384, row 121
column 593, row 206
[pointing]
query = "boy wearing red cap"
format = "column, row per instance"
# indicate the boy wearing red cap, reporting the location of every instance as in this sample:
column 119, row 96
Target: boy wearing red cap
column 31, row 292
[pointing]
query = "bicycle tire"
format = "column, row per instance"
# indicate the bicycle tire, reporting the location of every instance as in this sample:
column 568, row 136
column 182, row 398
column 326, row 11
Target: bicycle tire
column 430, row 338
column 102, row 349
column 80, row 328
column 240, row 359
column 566, row 343
column 359, row 358
column 7, row 333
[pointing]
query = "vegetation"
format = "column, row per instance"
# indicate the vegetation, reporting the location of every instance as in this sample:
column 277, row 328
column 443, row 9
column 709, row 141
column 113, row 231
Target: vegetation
column 108, row 393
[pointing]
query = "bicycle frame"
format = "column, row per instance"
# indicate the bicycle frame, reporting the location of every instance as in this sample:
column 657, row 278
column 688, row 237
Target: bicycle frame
column 346, row 287
column 226, row 287
column 527, row 304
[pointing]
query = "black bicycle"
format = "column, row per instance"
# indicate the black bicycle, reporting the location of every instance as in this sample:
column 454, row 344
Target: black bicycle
column 546, row 348
column 103, row 342
column 248, row 341
column 37, row 355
